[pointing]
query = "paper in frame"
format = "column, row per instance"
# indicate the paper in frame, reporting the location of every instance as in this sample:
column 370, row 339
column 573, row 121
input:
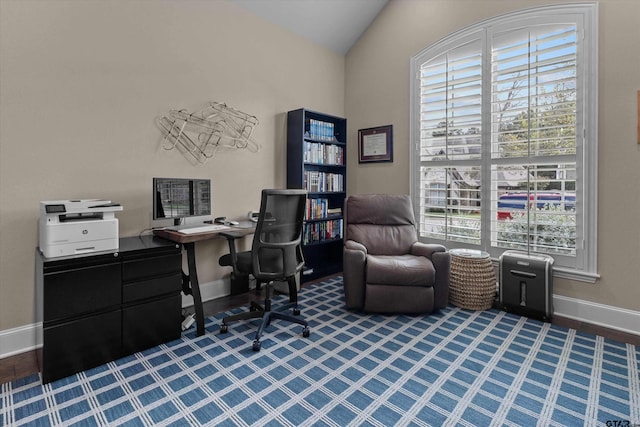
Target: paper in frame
column 375, row 144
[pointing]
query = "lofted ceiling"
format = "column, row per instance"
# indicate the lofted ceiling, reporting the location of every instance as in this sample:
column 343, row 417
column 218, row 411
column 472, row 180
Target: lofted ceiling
column 334, row 24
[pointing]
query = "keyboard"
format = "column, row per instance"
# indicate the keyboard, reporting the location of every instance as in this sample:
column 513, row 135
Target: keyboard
column 203, row 229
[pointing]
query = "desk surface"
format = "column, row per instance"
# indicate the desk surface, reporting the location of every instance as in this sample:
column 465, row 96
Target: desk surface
column 176, row 236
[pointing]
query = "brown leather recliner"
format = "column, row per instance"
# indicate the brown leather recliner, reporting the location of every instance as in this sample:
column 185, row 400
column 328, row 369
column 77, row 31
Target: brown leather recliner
column 386, row 269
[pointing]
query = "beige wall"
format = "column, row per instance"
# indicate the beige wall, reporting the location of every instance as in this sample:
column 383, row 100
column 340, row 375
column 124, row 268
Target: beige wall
column 81, row 83
column 377, row 93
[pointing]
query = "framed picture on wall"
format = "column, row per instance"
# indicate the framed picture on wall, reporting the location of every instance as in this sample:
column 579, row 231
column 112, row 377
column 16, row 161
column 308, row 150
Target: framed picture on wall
column 375, row 144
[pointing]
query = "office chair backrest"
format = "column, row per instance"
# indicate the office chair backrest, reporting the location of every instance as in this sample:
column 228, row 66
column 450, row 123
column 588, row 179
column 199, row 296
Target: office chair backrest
column 277, row 250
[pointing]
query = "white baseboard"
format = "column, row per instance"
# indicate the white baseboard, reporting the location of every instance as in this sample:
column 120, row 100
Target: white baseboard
column 29, row 337
column 208, row 291
column 608, row 316
column 20, row 340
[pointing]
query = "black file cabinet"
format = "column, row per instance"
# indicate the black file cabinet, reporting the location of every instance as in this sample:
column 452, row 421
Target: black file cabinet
column 98, row 308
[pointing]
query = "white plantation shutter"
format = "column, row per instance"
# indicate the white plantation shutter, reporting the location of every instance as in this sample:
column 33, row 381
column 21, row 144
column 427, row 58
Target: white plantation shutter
column 533, row 127
column 504, row 132
column 534, row 84
column 450, row 142
column 450, row 106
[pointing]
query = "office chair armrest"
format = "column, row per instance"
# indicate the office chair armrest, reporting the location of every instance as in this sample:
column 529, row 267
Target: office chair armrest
column 426, row 249
column 230, row 235
column 231, row 259
column 291, row 259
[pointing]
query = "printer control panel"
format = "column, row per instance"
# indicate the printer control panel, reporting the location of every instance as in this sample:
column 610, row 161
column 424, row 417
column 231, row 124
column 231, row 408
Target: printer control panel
column 53, row 209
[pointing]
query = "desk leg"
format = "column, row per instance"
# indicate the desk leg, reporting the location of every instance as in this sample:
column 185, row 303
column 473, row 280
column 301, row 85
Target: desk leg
column 195, row 287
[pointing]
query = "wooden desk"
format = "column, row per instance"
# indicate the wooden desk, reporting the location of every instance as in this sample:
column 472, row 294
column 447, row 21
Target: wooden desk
column 190, row 284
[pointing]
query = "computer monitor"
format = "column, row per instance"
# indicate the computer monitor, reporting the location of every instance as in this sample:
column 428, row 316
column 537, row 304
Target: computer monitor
column 180, row 198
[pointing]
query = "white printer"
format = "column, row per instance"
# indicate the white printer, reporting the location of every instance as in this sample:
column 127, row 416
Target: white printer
column 74, row 227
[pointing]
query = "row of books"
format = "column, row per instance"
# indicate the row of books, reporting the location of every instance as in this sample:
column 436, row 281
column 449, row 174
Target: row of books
column 319, row 209
column 316, row 152
column 321, row 131
column 321, row 231
column 316, row 182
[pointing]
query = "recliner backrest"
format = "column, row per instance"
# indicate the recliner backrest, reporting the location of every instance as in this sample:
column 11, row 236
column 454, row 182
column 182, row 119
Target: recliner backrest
column 383, row 223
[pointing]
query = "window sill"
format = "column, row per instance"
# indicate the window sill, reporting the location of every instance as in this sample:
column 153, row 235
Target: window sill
column 581, row 276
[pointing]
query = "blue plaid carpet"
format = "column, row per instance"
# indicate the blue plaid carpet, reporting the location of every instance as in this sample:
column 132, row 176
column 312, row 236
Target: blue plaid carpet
column 456, row 367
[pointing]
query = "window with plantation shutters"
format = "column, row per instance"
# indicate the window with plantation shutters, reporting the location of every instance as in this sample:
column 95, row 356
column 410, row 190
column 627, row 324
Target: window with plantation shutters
column 450, row 140
column 503, row 128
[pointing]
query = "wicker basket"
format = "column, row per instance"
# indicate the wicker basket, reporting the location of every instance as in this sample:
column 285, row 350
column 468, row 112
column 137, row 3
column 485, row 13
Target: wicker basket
column 472, row 283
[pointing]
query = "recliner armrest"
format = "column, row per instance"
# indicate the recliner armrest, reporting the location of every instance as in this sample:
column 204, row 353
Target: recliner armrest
column 353, row 245
column 426, row 249
column 442, row 263
column 354, row 263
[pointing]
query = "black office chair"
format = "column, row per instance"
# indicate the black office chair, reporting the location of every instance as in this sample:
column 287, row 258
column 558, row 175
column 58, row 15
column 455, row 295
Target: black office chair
column 276, row 254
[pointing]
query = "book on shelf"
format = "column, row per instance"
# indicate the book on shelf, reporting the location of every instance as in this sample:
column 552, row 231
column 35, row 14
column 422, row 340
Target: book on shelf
column 321, row 131
column 322, row 231
column 323, row 154
column 318, row 208
column 319, row 182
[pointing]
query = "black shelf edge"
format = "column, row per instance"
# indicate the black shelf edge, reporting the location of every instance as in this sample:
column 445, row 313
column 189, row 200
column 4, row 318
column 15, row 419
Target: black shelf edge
column 321, row 141
column 322, row 242
column 328, row 218
column 325, row 193
column 319, row 272
column 331, row 165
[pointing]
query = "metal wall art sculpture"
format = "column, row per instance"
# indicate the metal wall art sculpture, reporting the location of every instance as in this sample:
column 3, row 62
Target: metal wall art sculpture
column 199, row 135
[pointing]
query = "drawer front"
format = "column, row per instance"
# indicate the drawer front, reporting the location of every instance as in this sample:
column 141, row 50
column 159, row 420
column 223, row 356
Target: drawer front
column 142, row 268
column 82, row 290
column 150, row 324
column 81, row 344
column 152, row 287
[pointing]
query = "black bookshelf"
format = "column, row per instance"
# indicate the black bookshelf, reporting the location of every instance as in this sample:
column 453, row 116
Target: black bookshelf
column 316, row 161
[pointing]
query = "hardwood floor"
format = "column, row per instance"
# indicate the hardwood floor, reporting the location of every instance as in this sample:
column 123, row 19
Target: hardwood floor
column 18, row 366
column 597, row 330
column 25, row 364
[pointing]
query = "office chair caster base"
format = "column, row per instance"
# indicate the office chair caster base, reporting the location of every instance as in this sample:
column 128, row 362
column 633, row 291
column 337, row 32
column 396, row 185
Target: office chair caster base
column 256, row 345
column 306, row 332
column 224, row 329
